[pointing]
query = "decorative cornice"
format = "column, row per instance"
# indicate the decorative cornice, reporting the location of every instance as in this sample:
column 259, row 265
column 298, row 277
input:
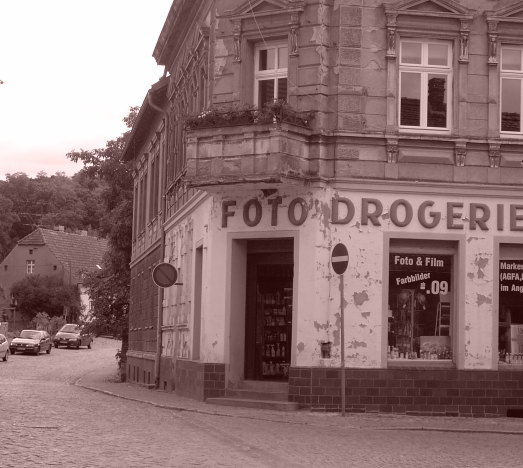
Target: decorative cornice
column 451, row 9
column 247, row 9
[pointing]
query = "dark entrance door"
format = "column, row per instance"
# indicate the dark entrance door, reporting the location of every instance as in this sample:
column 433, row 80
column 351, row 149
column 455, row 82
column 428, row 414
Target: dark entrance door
column 270, row 271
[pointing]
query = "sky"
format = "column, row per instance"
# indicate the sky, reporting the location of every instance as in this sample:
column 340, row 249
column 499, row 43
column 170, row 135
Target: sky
column 70, row 70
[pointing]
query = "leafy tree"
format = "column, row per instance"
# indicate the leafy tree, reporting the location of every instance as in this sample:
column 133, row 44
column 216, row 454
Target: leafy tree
column 7, row 219
column 49, row 294
column 109, row 289
column 42, row 321
column 46, row 201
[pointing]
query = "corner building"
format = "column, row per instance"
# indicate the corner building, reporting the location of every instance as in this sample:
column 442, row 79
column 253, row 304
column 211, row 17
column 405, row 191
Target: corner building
column 284, row 127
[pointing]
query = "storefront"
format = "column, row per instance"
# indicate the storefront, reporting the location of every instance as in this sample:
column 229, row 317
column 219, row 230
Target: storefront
column 423, row 334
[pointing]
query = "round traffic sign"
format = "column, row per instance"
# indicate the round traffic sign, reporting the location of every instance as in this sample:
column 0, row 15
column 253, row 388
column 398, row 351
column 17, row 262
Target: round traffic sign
column 340, row 258
column 164, row 275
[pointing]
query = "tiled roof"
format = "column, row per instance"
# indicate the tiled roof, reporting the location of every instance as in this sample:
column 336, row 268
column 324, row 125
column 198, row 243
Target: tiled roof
column 80, row 253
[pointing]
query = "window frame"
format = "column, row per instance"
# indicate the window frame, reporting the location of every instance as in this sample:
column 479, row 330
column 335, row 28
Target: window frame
column 275, row 74
column 512, row 75
column 424, row 69
column 30, row 266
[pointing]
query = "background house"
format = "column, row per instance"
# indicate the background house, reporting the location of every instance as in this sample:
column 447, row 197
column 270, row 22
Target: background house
column 49, row 252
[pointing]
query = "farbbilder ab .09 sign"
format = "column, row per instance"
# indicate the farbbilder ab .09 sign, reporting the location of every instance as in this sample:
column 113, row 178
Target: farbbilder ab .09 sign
column 427, row 273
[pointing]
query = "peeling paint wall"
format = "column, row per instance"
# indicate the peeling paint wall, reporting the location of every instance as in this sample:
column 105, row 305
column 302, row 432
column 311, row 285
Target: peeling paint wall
column 479, row 308
column 321, row 37
column 316, row 316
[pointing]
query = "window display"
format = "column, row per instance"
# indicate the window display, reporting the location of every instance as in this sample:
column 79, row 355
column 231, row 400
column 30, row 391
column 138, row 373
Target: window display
column 510, row 338
column 420, row 307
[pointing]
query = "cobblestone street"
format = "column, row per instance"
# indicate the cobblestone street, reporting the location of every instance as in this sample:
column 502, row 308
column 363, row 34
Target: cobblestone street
column 47, row 420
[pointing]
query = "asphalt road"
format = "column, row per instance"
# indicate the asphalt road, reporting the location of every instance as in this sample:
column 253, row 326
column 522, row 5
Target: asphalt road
column 45, row 420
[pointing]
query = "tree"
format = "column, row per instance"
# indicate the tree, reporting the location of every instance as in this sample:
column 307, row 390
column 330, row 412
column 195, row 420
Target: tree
column 7, row 219
column 49, row 294
column 109, row 289
column 47, row 201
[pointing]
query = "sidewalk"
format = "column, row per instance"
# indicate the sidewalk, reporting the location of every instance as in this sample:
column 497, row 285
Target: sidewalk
column 105, row 381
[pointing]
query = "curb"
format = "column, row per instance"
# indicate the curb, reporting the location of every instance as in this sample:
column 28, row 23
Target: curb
column 287, row 421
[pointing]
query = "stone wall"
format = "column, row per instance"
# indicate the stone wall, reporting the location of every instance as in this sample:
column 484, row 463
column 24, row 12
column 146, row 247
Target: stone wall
column 199, row 380
column 409, row 391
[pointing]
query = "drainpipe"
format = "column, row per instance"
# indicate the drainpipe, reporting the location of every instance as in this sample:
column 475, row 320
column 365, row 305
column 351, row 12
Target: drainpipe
column 162, row 246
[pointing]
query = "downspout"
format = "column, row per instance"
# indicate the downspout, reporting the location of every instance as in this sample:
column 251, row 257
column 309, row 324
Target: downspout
column 157, row 361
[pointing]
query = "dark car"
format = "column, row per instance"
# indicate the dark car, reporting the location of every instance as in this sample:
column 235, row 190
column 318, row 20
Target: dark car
column 70, row 335
column 32, row 341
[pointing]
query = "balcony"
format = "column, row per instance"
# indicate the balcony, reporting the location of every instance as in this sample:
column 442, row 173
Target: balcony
column 250, row 146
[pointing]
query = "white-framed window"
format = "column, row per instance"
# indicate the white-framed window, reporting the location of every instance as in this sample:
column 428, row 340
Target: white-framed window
column 425, row 85
column 511, row 90
column 270, row 72
column 30, row 266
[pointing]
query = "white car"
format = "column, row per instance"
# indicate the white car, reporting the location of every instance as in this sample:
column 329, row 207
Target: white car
column 4, row 348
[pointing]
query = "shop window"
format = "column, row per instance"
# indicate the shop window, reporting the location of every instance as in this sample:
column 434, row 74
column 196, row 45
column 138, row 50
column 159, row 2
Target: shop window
column 510, row 337
column 30, row 264
column 511, row 95
column 270, row 75
column 425, row 81
column 420, row 306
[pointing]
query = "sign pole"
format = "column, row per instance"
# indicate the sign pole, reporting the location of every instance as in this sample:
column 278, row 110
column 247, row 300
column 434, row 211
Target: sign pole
column 340, row 262
column 342, row 314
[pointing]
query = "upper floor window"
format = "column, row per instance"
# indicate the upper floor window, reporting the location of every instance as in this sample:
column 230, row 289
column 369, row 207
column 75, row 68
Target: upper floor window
column 425, row 84
column 511, row 83
column 30, row 266
column 270, row 73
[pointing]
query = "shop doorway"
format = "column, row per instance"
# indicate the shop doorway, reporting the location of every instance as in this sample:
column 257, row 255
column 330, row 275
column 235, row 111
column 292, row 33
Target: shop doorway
column 270, row 272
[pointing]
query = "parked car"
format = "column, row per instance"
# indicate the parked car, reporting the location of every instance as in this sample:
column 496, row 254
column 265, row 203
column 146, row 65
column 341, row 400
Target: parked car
column 70, row 335
column 4, row 348
column 32, row 341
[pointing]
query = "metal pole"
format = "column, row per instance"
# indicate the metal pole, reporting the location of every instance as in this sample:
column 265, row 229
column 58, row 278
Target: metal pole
column 342, row 314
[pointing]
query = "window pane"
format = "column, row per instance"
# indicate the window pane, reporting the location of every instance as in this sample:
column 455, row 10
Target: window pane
column 265, row 92
column 510, row 105
column 438, row 55
column 282, row 89
column 410, row 99
column 283, row 57
column 420, row 311
column 437, row 101
column 410, row 52
column 510, row 59
column 267, row 59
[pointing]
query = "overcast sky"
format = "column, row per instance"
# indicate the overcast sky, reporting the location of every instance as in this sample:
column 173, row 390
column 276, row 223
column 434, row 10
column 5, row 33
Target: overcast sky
column 71, row 70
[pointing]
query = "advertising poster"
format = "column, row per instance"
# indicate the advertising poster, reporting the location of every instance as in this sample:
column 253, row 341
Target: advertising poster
column 510, row 282
column 430, row 274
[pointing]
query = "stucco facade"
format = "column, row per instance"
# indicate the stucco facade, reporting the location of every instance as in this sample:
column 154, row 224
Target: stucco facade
column 401, row 142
